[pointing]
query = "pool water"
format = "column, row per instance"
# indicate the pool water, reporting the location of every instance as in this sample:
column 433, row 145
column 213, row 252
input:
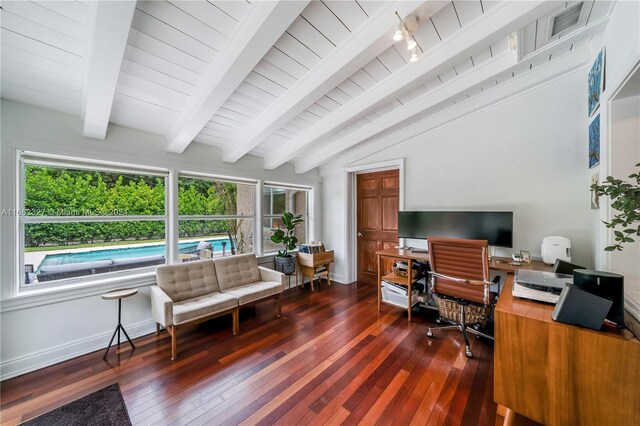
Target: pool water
column 126, row 252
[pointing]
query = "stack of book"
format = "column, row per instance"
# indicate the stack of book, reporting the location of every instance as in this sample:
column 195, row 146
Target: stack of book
column 311, row 248
column 398, row 295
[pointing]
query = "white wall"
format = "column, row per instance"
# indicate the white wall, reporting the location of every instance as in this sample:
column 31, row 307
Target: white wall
column 528, row 155
column 38, row 331
column 334, row 221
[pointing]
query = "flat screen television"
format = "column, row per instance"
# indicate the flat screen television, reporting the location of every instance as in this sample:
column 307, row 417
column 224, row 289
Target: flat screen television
column 495, row 227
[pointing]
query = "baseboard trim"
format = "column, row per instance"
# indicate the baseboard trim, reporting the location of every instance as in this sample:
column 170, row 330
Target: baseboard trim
column 41, row 359
column 337, row 278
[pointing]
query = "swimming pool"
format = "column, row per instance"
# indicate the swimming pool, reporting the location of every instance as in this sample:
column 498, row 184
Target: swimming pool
column 126, row 252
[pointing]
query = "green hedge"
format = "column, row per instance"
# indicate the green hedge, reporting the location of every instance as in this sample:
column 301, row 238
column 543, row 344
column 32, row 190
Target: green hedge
column 53, row 191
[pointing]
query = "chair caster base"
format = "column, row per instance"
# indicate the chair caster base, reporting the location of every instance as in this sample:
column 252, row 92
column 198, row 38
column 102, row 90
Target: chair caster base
column 468, row 353
column 429, row 333
column 439, row 321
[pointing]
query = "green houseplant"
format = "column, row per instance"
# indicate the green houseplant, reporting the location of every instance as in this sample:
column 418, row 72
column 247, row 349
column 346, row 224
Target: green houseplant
column 285, row 262
column 625, row 199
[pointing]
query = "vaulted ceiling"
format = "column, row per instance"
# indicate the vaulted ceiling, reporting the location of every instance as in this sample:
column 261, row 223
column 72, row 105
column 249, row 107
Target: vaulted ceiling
column 316, row 83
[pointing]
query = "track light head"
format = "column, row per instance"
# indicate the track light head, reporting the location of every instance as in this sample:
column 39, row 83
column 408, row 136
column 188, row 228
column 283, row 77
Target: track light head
column 404, row 29
column 398, row 34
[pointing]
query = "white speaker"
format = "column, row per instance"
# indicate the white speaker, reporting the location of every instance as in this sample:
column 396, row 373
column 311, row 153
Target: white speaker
column 554, row 247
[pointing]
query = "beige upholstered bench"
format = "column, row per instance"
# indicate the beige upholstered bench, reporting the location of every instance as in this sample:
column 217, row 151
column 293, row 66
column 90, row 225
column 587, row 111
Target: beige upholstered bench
column 191, row 292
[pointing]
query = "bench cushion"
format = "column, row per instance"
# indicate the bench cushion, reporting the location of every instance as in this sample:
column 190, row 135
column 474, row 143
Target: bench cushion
column 188, row 280
column 202, row 306
column 254, row 291
column 236, row 271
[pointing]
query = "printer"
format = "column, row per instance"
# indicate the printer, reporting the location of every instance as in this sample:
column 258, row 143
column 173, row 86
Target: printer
column 540, row 286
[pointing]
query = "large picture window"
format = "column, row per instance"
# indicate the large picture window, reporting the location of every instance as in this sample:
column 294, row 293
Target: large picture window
column 79, row 219
column 83, row 221
column 276, row 199
column 216, row 217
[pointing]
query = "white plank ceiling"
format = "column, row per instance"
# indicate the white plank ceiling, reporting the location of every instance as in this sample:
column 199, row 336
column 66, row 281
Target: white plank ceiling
column 327, row 92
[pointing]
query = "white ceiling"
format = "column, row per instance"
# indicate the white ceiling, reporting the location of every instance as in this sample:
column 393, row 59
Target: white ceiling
column 302, row 82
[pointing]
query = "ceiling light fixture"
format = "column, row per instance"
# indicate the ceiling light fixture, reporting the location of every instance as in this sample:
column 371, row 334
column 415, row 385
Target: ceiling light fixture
column 398, row 35
column 414, row 55
column 404, row 30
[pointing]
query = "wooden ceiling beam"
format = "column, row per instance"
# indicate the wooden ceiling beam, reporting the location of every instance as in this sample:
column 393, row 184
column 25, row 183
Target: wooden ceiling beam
column 357, row 50
column 263, row 26
column 498, row 22
column 448, row 90
column 489, row 69
column 546, row 74
column 109, row 24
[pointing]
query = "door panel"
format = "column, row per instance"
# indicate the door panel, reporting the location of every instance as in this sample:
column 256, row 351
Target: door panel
column 390, row 213
column 391, row 182
column 369, row 184
column 368, row 258
column 378, row 196
column 371, row 221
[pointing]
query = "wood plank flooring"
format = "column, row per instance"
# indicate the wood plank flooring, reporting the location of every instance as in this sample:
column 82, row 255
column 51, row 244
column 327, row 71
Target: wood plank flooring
column 331, row 359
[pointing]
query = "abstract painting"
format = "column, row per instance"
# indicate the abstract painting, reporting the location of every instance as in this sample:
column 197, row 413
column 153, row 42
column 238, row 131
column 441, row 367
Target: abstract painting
column 594, row 142
column 596, row 82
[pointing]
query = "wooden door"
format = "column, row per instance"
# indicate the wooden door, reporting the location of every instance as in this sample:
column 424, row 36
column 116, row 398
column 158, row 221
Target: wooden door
column 378, row 198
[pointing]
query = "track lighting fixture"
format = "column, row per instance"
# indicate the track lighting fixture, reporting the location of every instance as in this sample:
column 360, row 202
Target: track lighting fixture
column 404, row 30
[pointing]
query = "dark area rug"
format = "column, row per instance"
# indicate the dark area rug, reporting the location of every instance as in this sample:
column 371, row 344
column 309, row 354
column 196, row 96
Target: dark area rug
column 103, row 407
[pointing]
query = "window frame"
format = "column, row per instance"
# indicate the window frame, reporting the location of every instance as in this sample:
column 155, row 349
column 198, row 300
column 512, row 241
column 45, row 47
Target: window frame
column 26, row 158
column 254, row 216
column 271, row 216
column 17, row 295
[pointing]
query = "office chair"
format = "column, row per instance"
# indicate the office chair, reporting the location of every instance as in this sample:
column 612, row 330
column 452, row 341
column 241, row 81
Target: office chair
column 460, row 284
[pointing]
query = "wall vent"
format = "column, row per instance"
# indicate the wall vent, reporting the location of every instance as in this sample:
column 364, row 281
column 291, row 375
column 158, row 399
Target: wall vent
column 567, row 19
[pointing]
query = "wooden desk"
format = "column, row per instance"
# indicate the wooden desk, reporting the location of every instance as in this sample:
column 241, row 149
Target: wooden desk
column 559, row 374
column 503, row 264
column 407, row 255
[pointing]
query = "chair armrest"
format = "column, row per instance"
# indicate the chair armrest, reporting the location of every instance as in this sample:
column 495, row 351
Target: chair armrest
column 267, row 274
column 161, row 306
column 461, row 280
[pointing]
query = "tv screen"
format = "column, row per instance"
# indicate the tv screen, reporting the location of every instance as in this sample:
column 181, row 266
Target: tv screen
column 495, row 227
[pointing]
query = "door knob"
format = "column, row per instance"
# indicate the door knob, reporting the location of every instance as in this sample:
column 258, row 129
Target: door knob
column 359, row 234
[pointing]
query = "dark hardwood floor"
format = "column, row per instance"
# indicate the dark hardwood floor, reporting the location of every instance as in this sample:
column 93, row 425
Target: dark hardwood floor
column 331, row 359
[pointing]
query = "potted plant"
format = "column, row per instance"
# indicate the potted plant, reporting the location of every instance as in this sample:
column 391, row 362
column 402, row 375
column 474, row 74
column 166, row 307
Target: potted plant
column 625, row 199
column 285, row 262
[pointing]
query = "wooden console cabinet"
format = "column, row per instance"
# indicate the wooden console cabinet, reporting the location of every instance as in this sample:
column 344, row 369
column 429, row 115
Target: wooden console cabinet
column 560, row 374
column 309, row 263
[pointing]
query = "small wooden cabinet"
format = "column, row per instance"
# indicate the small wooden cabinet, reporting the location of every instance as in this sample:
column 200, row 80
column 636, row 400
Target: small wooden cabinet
column 398, row 254
column 308, row 264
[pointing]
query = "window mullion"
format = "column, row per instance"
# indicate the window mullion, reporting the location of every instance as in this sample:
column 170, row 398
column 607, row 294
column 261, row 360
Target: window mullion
column 171, row 210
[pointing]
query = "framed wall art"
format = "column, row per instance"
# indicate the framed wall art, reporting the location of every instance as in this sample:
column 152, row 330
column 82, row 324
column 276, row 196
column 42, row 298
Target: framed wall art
column 594, row 142
column 596, row 82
